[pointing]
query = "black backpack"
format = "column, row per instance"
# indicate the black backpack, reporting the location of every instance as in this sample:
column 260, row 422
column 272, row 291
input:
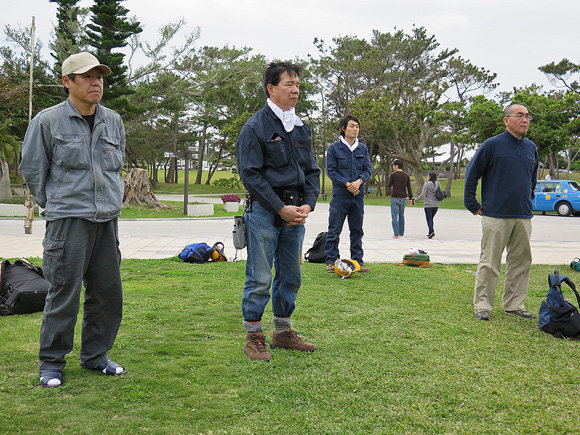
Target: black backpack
column 558, row 316
column 316, row 253
column 23, row 288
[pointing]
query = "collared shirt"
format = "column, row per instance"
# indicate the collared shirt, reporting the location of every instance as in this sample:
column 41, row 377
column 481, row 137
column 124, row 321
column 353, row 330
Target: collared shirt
column 288, row 118
column 351, row 147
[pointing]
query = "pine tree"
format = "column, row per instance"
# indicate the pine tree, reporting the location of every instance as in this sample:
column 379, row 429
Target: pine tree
column 66, row 31
column 110, row 30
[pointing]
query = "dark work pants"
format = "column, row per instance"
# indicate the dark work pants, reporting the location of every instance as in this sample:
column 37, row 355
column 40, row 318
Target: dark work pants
column 76, row 252
column 341, row 208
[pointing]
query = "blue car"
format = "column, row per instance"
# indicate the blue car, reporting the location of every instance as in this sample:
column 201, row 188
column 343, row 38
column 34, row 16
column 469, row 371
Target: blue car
column 561, row 196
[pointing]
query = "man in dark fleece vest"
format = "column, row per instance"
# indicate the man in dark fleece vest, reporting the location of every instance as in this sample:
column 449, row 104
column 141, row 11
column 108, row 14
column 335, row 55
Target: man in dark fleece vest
column 507, row 165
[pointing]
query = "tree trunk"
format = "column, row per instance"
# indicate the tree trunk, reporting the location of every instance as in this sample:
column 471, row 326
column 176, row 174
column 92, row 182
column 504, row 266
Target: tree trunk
column 388, row 166
column 451, row 166
column 5, row 192
column 213, row 168
column 154, row 174
column 419, row 180
column 137, row 190
column 172, row 175
column 201, row 153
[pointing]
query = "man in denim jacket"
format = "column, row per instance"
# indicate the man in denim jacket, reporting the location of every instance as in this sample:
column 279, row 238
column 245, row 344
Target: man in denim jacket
column 278, row 169
column 348, row 165
column 72, row 159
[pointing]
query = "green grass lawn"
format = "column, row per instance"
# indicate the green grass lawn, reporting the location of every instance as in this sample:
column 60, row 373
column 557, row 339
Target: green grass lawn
column 174, row 210
column 399, row 352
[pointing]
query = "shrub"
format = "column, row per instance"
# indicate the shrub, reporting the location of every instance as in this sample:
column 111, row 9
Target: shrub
column 230, row 183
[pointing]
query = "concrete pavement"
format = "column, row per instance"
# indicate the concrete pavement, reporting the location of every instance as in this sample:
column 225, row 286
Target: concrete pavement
column 555, row 240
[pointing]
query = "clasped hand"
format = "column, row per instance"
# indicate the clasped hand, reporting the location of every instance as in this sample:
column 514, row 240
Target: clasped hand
column 295, row 215
column 353, row 186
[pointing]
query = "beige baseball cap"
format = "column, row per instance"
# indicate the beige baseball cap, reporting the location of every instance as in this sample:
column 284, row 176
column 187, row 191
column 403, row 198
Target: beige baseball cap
column 81, row 63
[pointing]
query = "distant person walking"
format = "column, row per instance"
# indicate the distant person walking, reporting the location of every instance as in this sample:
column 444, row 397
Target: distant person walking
column 400, row 184
column 348, row 165
column 508, row 166
column 431, row 201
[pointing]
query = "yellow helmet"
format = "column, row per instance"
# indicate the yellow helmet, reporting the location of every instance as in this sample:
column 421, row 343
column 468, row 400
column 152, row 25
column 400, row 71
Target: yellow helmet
column 217, row 252
column 345, row 268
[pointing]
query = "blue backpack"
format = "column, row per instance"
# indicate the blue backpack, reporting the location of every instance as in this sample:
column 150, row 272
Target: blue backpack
column 558, row 316
column 202, row 253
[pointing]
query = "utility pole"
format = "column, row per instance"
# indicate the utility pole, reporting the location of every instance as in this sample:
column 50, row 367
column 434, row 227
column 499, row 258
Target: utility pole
column 29, row 203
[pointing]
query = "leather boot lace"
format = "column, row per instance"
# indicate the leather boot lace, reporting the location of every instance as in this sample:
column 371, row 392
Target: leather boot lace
column 260, row 344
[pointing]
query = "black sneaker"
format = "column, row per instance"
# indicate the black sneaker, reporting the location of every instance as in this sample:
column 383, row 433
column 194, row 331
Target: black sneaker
column 525, row 314
column 483, row 315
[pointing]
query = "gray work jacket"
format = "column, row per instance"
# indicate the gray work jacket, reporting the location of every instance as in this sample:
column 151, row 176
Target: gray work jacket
column 71, row 171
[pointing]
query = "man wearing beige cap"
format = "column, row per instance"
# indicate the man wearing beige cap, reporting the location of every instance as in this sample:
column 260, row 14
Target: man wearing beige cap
column 72, row 158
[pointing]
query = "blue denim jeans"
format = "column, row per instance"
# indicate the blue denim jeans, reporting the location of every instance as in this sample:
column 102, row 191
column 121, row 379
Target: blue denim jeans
column 398, row 215
column 342, row 207
column 430, row 213
column 267, row 245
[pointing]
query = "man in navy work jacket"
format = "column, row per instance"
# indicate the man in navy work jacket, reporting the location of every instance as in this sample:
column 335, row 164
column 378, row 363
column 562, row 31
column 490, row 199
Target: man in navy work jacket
column 507, row 165
column 348, row 165
column 278, row 169
column 72, row 160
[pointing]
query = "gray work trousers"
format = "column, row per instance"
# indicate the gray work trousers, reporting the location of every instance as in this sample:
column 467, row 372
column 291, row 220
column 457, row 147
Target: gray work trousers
column 76, row 252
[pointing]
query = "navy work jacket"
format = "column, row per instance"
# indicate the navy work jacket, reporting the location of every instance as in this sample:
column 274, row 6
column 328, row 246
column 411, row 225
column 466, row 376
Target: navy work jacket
column 344, row 165
column 271, row 160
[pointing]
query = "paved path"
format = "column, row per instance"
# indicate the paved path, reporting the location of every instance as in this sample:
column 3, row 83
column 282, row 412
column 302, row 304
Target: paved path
column 555, row 240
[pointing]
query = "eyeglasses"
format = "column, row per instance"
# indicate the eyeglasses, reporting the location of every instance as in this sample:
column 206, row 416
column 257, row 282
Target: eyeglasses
column 520, row 116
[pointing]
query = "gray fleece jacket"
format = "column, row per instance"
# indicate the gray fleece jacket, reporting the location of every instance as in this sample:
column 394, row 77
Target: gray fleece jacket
column 428, row 194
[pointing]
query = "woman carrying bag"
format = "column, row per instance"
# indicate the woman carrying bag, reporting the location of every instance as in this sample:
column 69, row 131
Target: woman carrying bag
column 431, row 201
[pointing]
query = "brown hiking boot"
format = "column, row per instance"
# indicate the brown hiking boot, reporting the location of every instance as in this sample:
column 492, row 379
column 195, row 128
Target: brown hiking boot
column 330, row 268
column 289, row 340
column 256, row 347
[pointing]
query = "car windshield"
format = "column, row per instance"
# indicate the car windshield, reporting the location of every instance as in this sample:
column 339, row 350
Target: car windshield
column 551, row 186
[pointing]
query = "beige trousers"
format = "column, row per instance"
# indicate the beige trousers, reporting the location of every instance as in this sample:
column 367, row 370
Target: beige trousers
column 499, row 234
